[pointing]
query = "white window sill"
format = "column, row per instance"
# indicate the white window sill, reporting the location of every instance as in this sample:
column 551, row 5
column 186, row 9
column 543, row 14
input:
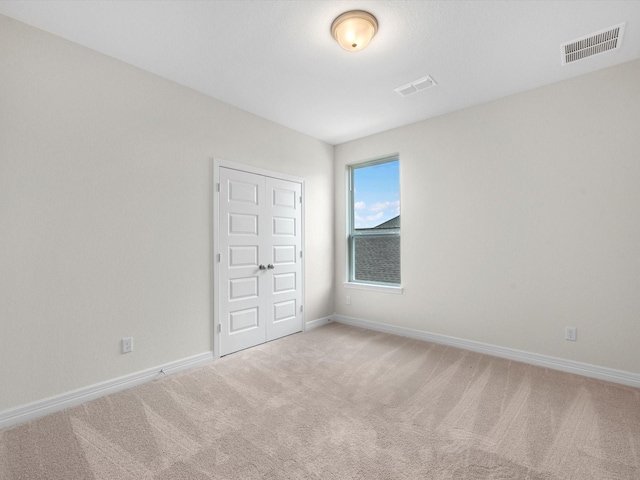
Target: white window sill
column 374, row 288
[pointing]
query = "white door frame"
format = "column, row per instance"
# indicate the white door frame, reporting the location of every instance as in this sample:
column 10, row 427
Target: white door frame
column 220, row 163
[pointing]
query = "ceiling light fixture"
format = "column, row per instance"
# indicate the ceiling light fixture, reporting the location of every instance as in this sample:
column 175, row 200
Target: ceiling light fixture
column 354, row 30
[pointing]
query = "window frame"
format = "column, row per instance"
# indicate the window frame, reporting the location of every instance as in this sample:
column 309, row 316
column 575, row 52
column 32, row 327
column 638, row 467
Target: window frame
column 352, row 232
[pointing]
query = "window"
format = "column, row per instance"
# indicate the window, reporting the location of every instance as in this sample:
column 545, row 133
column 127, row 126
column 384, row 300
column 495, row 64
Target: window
column 374, row 222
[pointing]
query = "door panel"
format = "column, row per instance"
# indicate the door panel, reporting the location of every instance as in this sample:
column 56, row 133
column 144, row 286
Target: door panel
column 284, row 226
column 260, row 225
column 242, row 315
column 243, row 192
column 243, row 256
column 284, row 311
column 284, row 197
column 240, row 288
column 243, row 320
column 284, row 282
column 284, row 255
column 240, row 224
column 285, row 294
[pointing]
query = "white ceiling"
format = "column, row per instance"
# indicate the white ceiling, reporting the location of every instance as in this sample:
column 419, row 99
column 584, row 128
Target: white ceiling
column 277, row 59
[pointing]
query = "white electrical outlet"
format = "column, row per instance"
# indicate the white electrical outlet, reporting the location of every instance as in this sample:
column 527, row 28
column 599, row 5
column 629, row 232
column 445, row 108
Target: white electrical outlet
column 127, row 345
column 348, row 300
column 571, row 333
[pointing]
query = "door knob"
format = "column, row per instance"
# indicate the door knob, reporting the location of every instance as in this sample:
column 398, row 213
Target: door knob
column 270, row 266
column 262, row 267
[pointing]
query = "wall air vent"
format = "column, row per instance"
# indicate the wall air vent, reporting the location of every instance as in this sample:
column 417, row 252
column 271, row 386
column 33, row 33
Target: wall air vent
column 415, row 86
column 599, row 42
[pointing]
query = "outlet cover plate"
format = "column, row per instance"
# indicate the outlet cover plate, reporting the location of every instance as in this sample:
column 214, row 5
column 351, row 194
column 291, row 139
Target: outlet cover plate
column 571, row 334
column 127, row 345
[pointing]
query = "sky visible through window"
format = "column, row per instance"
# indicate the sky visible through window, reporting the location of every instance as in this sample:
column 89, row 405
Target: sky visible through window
column 376, row 194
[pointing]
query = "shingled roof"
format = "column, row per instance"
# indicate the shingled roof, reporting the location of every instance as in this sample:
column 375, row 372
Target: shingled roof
column 377, row 257
column 392, row 223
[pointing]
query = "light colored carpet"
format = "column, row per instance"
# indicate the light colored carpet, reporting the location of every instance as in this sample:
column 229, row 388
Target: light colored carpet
column 341, row 403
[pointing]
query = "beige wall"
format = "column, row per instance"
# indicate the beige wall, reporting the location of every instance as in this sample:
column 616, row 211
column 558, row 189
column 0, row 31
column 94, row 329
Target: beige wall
column 519, row 217
column 106, row 213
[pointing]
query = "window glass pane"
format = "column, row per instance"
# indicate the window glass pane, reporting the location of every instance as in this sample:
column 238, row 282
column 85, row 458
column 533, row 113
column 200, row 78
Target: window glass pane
column 374, row 245
column 376, row 194
column 377, row 258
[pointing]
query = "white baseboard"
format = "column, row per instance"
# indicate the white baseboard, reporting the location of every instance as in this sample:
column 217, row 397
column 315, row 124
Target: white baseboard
column 319, row 322
column 585, row 369
column 33, row 410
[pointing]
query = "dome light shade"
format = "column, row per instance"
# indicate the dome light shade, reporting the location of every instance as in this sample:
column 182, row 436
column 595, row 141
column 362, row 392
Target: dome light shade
column 354, row 30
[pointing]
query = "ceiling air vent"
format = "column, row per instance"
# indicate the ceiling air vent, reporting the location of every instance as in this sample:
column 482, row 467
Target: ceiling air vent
column 415, row 86
column 599, row 42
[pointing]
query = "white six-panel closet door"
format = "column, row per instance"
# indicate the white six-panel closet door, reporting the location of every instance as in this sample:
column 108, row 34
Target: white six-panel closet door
column 260, row 238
